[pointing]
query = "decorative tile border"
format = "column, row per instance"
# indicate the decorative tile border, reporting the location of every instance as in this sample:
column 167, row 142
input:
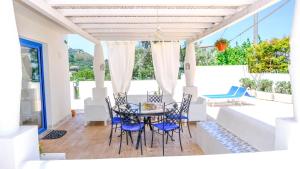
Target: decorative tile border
column 225, row 137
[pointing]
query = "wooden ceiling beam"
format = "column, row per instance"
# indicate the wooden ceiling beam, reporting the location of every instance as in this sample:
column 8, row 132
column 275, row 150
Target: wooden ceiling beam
column 147, row 26
column 147, row 12
column 146, row 19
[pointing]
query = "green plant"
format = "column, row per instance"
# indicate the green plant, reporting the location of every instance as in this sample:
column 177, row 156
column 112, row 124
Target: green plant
column 83, row 75
column 283, row 87
column 265, row 85
column 143, row 67
column 234, row 55
column 269, row 56
column 205, row 56
column 76, row 89
column 248, row 83
column 221, row 44
column 221, row 41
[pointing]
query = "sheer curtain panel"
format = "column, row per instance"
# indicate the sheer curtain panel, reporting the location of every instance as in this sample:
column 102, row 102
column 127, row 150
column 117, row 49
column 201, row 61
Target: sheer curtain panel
column 165, row 57
column 121, row 61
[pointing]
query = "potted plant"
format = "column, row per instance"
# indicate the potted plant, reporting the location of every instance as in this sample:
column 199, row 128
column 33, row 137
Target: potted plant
column 264, row 89
column 283, row 92
column 249, row 84
column 221, row 44
column 73, row 113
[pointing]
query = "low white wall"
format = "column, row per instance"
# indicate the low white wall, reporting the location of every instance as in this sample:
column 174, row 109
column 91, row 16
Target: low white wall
column 218, row 79
column 36, row 27
column 209, row 80
column 137, row 87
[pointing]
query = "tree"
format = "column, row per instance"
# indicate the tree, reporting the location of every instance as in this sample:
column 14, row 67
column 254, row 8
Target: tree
column 83, row 75
column 143, row 66
column 269, row 56
column 206, row 56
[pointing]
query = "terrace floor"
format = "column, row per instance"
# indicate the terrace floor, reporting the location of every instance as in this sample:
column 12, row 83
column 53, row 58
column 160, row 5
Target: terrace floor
column 91, row 142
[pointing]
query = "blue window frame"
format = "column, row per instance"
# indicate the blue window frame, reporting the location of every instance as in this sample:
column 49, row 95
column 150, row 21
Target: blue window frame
column 39, row 48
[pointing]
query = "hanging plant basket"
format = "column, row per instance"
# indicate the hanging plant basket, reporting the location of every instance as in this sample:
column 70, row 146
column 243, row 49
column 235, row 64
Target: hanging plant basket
column 221, row 45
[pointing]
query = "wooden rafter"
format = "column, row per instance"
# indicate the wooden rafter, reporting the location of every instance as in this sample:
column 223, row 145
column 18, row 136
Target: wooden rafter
column 134, row 19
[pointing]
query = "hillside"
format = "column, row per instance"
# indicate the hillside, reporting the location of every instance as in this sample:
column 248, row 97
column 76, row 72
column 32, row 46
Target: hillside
column 80, row 59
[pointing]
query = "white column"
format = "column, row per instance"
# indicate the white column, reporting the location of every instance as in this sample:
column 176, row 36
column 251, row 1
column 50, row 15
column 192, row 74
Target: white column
column 99, row 65
column 10, row 70
column 190, row 71
column 94, row 108
column 17, row 144
column 288, row 129
column 294, row 68
column 99, row 92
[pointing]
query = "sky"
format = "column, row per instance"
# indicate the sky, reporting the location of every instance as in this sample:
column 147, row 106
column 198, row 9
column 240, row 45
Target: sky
column 277, row 25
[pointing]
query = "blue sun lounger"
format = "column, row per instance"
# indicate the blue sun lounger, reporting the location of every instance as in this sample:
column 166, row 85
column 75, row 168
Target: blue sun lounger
column 229, row 98
column 239, row 93
column 231, row 92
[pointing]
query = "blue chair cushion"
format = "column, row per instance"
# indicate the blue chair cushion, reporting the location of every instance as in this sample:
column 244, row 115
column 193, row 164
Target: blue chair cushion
column 116, row 120
column 176, row 116
column 133, row 126
column 165, row 126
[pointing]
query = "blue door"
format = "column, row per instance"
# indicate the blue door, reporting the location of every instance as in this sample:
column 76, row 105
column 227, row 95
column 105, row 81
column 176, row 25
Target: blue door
column 33, row 107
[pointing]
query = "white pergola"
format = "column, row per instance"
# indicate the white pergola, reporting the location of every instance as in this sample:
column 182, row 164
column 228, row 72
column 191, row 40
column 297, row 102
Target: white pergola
column 117, row 20
column 155, row 20
column 141, row 20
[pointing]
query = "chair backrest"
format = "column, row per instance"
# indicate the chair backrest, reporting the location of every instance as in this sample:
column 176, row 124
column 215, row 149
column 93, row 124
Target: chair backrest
column 240, row 92
column 120, row 98
column 107, row 100
column 154, row 97
column 177, row 112
column 185, row 104
column 232, row 90
column 129, row 115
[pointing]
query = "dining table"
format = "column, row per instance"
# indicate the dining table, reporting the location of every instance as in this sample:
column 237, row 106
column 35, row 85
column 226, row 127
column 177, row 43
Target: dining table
column 147, row 110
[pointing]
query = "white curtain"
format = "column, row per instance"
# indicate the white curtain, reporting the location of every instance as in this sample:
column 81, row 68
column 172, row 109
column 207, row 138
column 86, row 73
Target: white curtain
column 165, row 57
column 121, row 61
column 190, row 65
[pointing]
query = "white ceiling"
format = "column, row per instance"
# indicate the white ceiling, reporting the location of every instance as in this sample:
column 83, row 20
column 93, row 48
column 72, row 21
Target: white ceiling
column 141, row 20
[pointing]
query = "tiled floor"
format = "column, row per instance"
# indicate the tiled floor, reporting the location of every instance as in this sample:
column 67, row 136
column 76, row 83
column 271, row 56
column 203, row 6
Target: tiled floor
column 91, row 142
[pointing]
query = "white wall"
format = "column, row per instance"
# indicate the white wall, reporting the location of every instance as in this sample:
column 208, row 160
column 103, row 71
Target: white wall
column 85, row 90
column 33, row 26
column 218, row 79
column 209, row 80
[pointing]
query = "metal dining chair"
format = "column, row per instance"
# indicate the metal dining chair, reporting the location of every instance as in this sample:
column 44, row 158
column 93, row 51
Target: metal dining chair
column 184, row 115
column 115, row 120
column 167, row 126
column 130, row 122
column 120, row 98
column 154, row 97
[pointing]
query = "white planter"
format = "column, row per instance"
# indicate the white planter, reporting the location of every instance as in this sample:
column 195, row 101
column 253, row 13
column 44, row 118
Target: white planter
column 285, row 98
column 264, row 95
column 252, row 92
